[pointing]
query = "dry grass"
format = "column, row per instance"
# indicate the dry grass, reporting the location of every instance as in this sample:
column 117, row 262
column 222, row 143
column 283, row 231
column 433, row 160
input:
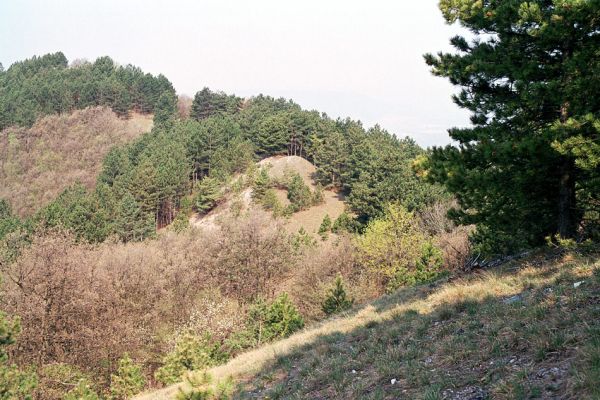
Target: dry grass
column 522, row 331
column 278, row 166
column 38, row 163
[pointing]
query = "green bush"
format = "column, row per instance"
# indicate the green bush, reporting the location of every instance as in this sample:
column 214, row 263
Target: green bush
column 128, row 381
column 302, row 239
column 56, row 379
column 427, row 267
column 14, row 383
column 270, row 202
column 337, row 299
column 203, row 388
column 9, row 222
column 278, row 319
column 182, row 219
column 82, row 391
column 318, row 197
column 262, row 183
column 190, row 353
column 344, row 223
column 395, row 249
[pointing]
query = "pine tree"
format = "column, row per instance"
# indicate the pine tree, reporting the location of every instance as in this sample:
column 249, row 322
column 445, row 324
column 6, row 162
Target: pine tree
column 132, row 223
column 299, row 193
column 128, row 381
column 530, row 77
column 209, row 191
column 145, row 186
column 325, row 227
column 165, row 110
column 337, row 300
column 272, row 134
column 261, row 184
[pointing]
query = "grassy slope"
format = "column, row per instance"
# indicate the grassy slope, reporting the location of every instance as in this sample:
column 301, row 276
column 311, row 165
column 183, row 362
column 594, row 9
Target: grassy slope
column 309, row 219
column 517, row 332
column 38, row 163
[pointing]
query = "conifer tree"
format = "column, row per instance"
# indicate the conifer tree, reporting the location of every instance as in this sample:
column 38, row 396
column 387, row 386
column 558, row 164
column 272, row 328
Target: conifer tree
column 128, row 381
column 209, row 192
column 132, row 223
column 337, row 300
column 299, row 193
column 165, row 110
column 530, row 77
column 261, row 184
column 325, row 227
column 14, row 383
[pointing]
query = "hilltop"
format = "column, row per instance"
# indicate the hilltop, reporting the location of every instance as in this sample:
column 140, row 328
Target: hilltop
column 528, row 329
column 278, row 167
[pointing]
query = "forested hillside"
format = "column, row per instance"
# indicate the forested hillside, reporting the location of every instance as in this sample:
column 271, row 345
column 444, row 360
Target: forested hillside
column 48, row 85
column 122, row 229
column 461, row 272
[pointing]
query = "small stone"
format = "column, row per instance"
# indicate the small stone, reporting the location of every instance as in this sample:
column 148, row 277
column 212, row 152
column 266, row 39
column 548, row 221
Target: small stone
column 393, row 381
column 577, row 284
column 353, row 371
column 513, row 299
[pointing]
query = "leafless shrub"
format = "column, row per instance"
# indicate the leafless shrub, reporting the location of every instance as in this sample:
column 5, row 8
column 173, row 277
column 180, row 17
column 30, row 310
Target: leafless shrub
column 215, row 315
column 434, row 220
column 452, row 239
column 86, row 305
column 456, row 247
column 255, row 256
column 184, row 106
column 319, row 267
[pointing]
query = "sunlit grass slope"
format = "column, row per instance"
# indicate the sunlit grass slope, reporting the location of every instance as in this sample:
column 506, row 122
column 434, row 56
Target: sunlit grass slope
column 530, row 329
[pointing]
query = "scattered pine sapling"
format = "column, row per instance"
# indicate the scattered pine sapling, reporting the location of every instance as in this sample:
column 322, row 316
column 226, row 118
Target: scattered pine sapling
column 262, row 183
column 16, row 384
column 299, row 194
column 278, row 319
column 182, row 220
column 203, row 388
column 82, row 391
column 325, row 227
column 128, row 381
column 191, row 353
column 302, row 239
column 343, row 223
column 318, row 196
column 337, row 300
column 270, row 202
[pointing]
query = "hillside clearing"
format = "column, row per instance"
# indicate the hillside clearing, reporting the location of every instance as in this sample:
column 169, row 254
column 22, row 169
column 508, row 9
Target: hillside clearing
column 278, row 166
column 38, row 163
column 527, row 330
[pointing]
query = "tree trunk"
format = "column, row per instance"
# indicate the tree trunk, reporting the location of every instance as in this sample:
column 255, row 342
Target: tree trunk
column 567, row 221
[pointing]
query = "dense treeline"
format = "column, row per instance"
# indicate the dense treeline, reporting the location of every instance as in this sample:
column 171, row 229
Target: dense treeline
column 48, row 85
column 142, row 184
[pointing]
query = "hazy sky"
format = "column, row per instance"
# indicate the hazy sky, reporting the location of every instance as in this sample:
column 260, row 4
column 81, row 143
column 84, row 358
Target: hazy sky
column 361, row 59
